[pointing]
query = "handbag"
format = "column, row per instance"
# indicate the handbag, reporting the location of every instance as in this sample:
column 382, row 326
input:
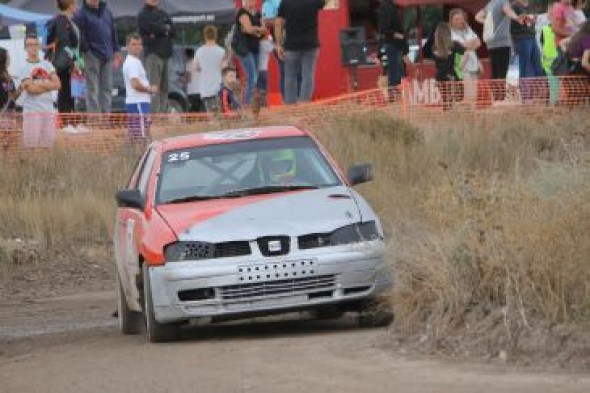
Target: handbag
column 63, row 60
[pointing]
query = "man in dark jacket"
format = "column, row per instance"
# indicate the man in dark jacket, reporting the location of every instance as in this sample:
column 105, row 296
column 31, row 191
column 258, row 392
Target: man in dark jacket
column 98, row 43
column 156, row 30
column 393, row 40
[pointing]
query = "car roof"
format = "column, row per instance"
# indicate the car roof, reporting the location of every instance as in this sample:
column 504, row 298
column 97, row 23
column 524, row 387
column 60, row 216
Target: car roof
column 228, row 136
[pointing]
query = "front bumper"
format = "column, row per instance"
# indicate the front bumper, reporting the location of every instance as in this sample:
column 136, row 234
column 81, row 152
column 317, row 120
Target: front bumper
column 243, row 285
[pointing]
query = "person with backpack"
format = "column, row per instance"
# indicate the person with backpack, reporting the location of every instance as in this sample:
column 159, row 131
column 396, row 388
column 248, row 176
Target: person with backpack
column 101, row 51
column 63, row 40
column 496, row 35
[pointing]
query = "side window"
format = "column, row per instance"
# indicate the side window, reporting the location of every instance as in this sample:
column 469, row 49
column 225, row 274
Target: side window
column 144, row 175
column 131, row 184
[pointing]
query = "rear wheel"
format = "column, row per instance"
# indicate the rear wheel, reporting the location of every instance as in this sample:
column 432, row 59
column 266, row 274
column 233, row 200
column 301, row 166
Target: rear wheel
column 156, row 332
column 130, row 322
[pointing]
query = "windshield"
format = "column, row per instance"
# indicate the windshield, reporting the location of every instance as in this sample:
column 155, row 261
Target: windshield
column 243, row 168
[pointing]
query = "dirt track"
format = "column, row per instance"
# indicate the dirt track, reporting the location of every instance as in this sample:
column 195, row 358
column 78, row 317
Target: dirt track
column 71, row 344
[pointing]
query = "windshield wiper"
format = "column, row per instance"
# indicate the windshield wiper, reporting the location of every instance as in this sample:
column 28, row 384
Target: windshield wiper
column 193, row 198
column 268, row 190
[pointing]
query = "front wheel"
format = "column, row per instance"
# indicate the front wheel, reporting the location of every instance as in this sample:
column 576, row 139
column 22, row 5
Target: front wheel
column 376, row 313
column 156, row 332
column 129, row 320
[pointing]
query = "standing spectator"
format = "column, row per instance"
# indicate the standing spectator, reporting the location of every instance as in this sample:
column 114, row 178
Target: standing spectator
column 563, row 19
column 447, row 53
column 270, row 11
column 471, row 67
column 266, row 48
column 8, row 91
column 8, row 95
column 192, row 78
column 522, row 30
column 393, row 39
column 63, row 39
column 156, row 30
column 98, row 43
column 301, row 45
column 250, row 27
column 209, row 62
column 38, row 80
column 139, row 92
column 498, row 43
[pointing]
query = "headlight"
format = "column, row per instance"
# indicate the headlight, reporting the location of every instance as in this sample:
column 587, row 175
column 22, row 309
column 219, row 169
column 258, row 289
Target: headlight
column 189, row 251
column 355, row 233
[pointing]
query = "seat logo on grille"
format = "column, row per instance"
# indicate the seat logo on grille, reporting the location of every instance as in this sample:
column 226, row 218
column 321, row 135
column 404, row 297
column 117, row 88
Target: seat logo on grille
column 274, row 246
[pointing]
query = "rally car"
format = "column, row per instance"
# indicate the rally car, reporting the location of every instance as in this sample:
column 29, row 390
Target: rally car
column 231, row 224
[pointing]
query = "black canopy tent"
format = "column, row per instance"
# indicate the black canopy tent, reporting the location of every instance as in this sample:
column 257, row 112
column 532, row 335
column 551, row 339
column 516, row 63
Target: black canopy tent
column 216, row 12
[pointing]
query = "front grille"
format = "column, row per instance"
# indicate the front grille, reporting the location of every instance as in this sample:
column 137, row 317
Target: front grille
column 279, row 287
column 264, row 244
column 203, row 250
column 232, row 249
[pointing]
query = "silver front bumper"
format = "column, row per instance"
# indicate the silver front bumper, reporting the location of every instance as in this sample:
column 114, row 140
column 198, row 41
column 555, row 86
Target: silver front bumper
column 242, row 285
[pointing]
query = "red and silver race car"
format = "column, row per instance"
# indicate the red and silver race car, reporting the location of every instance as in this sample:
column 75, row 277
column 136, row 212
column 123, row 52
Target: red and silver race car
column 231, row 224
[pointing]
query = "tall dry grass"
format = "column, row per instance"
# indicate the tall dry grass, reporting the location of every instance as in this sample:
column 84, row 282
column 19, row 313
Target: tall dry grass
column 493, row 218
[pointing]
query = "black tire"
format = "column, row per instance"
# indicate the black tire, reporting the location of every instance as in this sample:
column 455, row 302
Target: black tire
column 130, row 322
column 376, row 313
column 156, row 332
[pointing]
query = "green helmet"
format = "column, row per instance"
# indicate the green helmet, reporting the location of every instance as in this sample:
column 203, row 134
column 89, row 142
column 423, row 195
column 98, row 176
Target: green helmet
column 280, row 165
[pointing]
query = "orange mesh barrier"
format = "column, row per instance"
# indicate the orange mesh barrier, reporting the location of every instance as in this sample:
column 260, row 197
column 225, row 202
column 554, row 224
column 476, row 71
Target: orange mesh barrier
column 423, row 103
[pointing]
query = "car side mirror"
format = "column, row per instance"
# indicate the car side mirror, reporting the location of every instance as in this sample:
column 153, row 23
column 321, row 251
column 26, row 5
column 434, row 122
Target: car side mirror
column 358, row 174
column 129, row 198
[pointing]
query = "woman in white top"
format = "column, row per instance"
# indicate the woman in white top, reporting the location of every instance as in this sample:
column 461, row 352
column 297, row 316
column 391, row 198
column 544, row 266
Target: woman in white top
column 463, row 34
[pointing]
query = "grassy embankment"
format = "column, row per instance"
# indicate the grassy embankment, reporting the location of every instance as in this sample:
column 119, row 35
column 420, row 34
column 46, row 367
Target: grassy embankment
column 489, row 227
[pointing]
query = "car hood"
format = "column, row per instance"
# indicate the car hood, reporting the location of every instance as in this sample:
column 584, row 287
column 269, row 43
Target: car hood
column 247, row 218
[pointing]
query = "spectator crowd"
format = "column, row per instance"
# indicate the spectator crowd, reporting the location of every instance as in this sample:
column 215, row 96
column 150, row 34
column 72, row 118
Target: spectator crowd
column 509, row 27
column 82, row 43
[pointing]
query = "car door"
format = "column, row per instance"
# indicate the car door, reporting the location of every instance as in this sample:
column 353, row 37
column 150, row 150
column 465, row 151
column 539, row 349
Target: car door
column 129, row 227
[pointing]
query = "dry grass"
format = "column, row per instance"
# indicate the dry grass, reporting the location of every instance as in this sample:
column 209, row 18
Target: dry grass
column 493, row 221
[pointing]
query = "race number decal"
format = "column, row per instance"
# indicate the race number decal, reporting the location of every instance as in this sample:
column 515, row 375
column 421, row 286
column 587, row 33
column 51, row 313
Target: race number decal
column 175, row 157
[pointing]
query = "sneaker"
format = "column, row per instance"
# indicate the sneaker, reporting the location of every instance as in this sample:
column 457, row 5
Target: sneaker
column 70, row 129
column 81, row 128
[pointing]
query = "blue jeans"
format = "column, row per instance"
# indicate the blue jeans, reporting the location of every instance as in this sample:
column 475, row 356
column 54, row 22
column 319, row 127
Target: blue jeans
column 395, row 68
column 529, row 64
column 281, row 65
column 300, row 63
column 250, row 64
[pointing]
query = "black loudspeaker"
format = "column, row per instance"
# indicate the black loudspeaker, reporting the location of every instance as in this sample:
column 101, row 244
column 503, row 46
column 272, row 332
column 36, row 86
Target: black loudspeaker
column 352, row 46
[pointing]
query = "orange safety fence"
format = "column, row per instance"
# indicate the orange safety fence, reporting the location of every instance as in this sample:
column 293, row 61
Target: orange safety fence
column 423, row 103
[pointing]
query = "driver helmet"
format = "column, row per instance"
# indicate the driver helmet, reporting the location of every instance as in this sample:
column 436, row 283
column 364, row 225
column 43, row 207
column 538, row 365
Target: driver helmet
column 281, row 166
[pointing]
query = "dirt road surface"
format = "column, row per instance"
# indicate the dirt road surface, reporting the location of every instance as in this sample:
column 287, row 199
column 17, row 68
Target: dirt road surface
column 71, row 344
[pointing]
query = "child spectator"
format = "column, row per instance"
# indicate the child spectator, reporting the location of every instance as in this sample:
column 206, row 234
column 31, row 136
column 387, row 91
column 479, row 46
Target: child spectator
column 229, row 103
column 139, row 91
column 448, row 56
column 38, row 80
column 209, row 61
